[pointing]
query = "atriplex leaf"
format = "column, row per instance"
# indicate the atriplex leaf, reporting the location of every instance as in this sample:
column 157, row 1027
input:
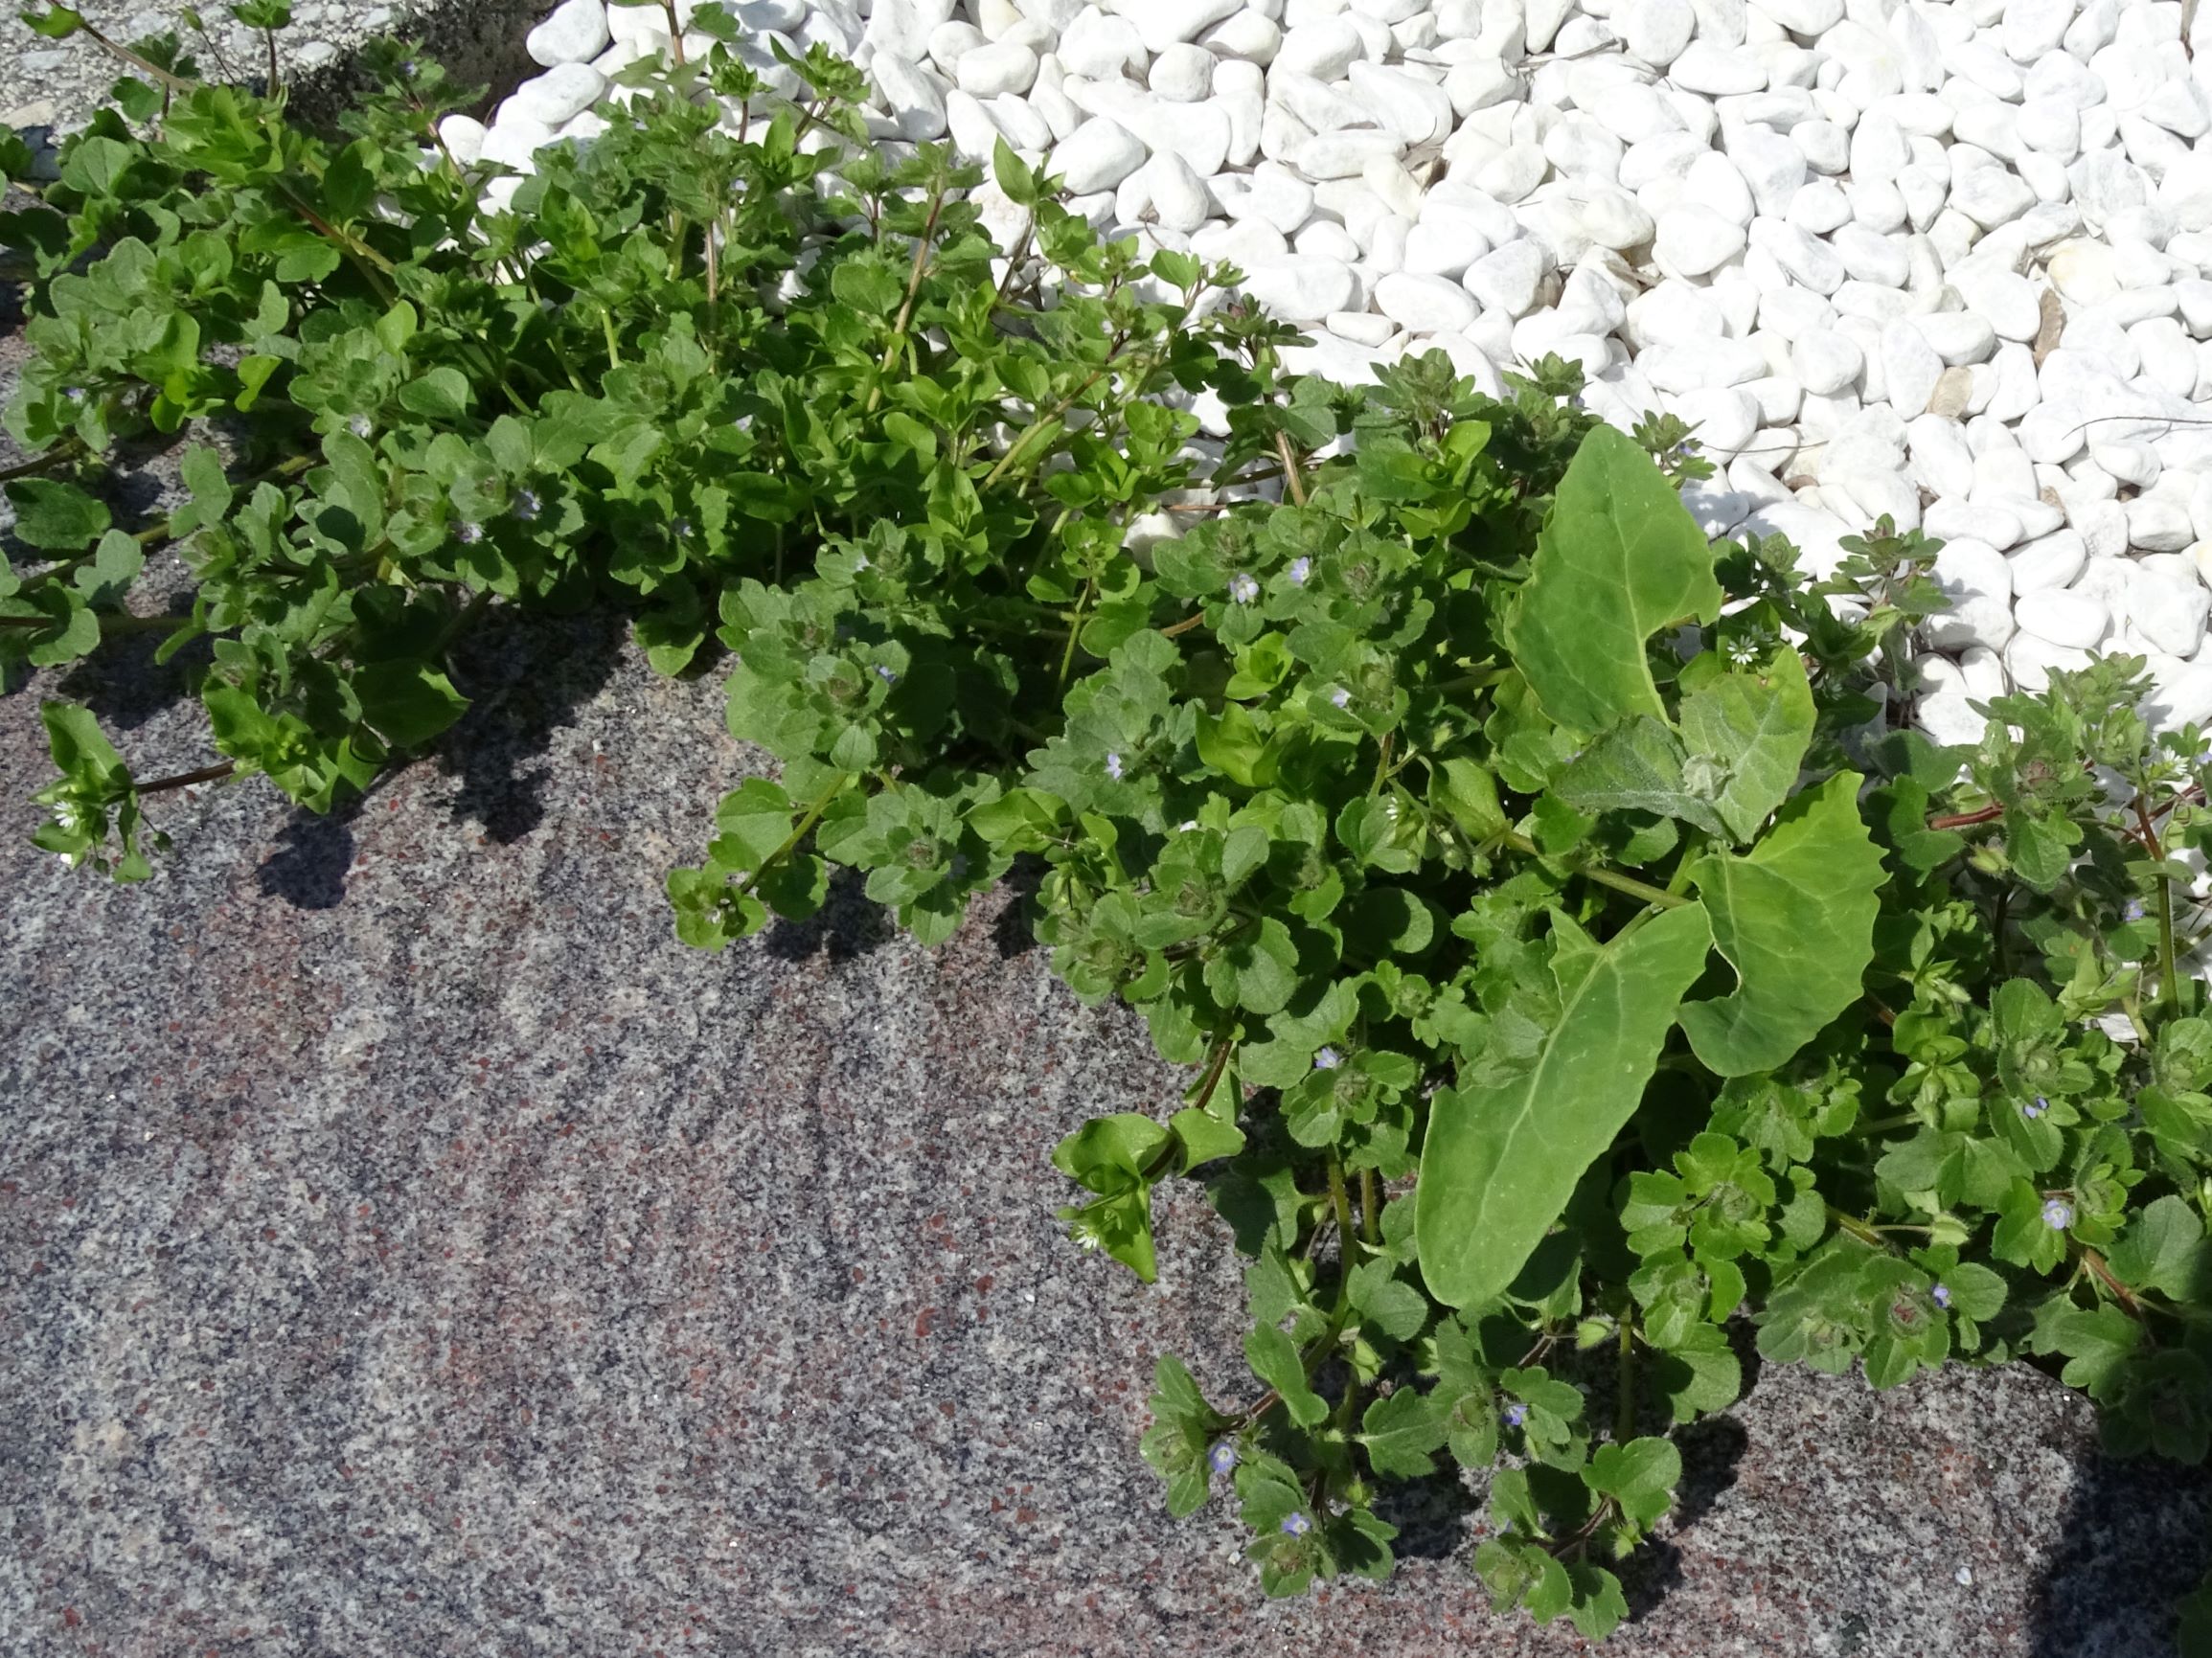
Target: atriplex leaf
column 1795, row 918
column 1500, row 1161
column 1755, row 728
column 1619, row 557
column 1636, row 766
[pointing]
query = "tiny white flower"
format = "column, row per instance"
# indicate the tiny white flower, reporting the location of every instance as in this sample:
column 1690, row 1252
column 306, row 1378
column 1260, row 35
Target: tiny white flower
column 1113, row 765
column 1340, row 698
column 1300, row 569
column 1244, row 588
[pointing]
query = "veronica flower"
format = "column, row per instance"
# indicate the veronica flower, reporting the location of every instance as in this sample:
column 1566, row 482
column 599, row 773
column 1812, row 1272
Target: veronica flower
column 1223, row 1457
column 1300, row 569
column 1296, row 1525
column 1941, row 1296
column 2135, row 910
column 2058, row 1214
column 468, row 534
column 887, row 675
column 361, row 426
column 2032, row 1112
column 1244, row 588
column 525, row 504
column 1326, row 1059
column 1516, row 1415
column 1340, row 698
column 1113, row 765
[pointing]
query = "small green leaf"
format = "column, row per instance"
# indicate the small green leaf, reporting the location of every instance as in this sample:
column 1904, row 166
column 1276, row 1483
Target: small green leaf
column 56, row 517
column 1753, row 730
column 1401, row 1435
column 1274, row 1360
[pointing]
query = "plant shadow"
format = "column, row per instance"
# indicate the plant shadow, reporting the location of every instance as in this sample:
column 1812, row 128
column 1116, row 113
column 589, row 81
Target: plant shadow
column 2132, row 1528
column 849, row 925
column 525, row 676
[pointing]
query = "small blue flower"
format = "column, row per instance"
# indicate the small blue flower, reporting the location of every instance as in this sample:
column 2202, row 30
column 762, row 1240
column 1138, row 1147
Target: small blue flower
column 468, row 534
column 1113, row 765
column 2135, row 910
column 74, row 394
column 2032, row 1112
column 1296, row 1525
column 681, row 529
column 1516, row 1415
column 1941, row 1296
column 859, row 562
column 361, row 426
column 1300, row 569
column 2058, row 1214
column 525, row 504
column 1223, row 1457
column 1326, row 1059
column 887, row 675
column 1340, row 698
column 1244, row 588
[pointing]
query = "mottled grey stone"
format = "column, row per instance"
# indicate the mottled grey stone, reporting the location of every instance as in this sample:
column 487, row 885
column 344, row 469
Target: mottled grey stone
column 406, row 1247
column 55, row 88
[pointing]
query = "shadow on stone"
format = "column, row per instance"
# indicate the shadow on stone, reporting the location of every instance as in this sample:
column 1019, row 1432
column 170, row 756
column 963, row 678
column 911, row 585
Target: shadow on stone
column 849, row 925
column 1012, row 929
column 2128, row 1523
column 526, row 676
column 309, row 870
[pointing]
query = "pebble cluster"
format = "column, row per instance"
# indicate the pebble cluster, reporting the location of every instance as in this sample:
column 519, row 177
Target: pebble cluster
column 1940, row 262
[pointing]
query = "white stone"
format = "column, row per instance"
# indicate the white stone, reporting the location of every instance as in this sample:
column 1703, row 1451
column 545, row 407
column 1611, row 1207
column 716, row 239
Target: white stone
column 1507, row 279
column 2062, row 616
column 1693, row 239
column 562, row 92
column 1302, row 289
column 1909, row 369
column 2167, row 610
column 1099, row 155
column 2050, row 561
column 998, row 69
column 1424, row 303
column 575, row 32
column 1826, row 363
column 1978, row 582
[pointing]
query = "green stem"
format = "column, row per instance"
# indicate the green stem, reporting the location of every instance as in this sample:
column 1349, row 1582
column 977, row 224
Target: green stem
column 1340, row 1200
column 916, row 274
column 1625, row 1380
column 1604, row 876
column 1859, row 1229
column 68, row 449
column 1074, row 629
column 1370, row 1208
column 799, row 833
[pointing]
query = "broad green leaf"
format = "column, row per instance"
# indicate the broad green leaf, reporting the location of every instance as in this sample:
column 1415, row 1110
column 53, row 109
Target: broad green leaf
column 1795, row 918
column 1752, row 731
column 1639, row 1476
column 1618, row 559
column 1636, row 766
column 1501, row 1160
column 408, row 701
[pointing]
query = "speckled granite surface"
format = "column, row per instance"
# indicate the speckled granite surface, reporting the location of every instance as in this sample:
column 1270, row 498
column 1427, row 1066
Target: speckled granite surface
column 407, row 1248
column 48, row 85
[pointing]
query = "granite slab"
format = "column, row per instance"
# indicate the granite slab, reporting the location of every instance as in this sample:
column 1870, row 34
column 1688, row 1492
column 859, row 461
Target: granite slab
column 408, row 1248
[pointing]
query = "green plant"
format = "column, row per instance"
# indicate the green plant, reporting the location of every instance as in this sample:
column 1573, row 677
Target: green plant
column 1576, row 952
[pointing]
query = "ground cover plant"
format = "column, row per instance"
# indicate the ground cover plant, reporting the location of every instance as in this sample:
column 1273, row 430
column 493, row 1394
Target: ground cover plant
column 1578, row 952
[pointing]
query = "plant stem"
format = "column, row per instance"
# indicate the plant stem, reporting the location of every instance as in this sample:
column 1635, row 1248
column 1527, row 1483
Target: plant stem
column 1074, row 629
column 68, row 449
column 187, row 778
column 798, row 834
column 1292, row 479
column 1859, row 1229
column 1370, row 1207
column 1625, row 1380
column 1341, row 1201
column 2168, row 974
column 1604, row 876
column 916, row 274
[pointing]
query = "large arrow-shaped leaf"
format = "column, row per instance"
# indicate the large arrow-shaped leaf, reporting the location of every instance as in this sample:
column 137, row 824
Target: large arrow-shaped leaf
column 1500, row 1161
column 1755, row 729
column 1795, row 918
column 1618, row 559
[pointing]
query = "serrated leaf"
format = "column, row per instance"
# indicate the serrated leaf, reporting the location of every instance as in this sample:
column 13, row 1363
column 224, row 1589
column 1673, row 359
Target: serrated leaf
column 1794, row 917
column 1274, row 1360
column 1501, row 1159
column 1382, row 1300
column 1401, row 1434
column 1619, row 557
column 2162, row 1249
column 56, row 517
column 1639, row 1476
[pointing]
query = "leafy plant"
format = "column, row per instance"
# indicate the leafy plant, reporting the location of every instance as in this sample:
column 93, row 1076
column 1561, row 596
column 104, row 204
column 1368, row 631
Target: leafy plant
column 1580, row 958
